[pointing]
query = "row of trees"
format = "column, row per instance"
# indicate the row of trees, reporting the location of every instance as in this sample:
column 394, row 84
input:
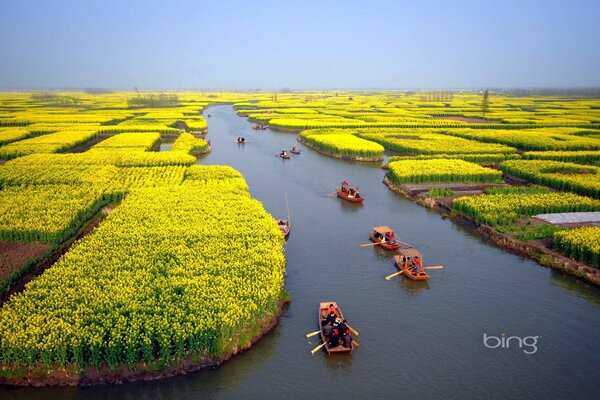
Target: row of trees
column 152, row 100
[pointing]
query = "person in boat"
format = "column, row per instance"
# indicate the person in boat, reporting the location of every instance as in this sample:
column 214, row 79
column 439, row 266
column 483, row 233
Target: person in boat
column 294, row 148
column 329, row 319
column 328, row 324
column 344, row 334
column 331, row 309
column 334, row 338
column 242, row 139
column 389, row 237
column 416, row 266
column 282, row 153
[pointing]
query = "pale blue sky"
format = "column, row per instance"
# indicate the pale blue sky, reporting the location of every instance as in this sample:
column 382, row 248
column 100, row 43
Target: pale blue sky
column 299, row 44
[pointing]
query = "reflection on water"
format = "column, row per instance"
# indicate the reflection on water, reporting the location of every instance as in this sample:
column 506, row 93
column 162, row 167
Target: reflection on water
column 412, row 287
column 582, row 289
column 347, row 206
column 340, row 363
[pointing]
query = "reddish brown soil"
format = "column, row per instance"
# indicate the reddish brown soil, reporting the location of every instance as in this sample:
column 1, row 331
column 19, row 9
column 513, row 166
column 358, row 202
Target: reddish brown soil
column 531, row 221
column 47, row 262
column 407, row 137
column 83, row 147
column 13, row 255
column 470, row 120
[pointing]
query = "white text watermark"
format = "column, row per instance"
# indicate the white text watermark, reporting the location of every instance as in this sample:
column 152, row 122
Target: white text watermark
column 528, row 344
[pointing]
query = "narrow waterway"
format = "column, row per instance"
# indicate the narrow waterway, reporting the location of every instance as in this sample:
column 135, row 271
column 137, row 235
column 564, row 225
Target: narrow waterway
column 418, row 340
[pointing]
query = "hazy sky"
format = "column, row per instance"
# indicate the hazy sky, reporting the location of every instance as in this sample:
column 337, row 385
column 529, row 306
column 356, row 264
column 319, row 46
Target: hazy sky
column 299, row 44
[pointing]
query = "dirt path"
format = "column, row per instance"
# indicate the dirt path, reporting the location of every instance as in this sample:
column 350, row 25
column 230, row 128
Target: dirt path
column 471, row 120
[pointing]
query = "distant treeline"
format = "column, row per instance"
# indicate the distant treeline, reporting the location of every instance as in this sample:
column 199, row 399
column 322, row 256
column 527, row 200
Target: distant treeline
column 55, row 99
column 152, row 100
column 575, row 93
column 437, row 96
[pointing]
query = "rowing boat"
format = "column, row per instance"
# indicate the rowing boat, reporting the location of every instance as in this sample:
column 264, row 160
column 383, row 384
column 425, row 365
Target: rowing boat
column 349, row 193
column 406, row 260
column 323, row 310
column 285, row 227
column 379, row 233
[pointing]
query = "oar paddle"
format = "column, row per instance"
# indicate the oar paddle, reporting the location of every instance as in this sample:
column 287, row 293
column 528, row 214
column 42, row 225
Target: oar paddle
column 313, row 351
column 434, row 267
column 387, row 278
column 354, row 332
column 355, row 343
column 369, row 244
column 331, row 194
column 312, row 333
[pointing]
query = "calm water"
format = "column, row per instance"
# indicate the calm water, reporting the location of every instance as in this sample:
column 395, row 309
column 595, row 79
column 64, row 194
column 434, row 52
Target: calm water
column 418, row 340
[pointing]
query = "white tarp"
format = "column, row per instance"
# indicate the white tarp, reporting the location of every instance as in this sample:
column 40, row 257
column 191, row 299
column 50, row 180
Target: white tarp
column 570, row 218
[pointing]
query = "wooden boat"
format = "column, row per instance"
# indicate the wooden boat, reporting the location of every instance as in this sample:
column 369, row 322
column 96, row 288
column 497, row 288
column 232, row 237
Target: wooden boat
column 241, row 141
column 285, row 225
column 323, row 310
column 258, row 127
column 285, row 155
column 406, row 260
column 349, row 193
column 296, row 151
column 381, row 232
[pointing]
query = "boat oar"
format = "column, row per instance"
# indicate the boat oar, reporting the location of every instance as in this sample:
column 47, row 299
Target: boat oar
column 369, row 244
column 331, row 194
column 387, row 278
column 434, row 267
column 354, row 331
column 355, row 343
column 312, row 333
column 313, row 351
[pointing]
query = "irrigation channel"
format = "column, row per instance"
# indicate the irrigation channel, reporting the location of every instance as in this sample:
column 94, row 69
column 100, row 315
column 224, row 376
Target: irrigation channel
column 418, row 340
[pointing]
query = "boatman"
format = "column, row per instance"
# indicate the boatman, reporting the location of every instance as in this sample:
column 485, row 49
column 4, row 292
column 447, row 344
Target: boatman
column 327, row 324
column 416, row 265
column 331, row 309
column 344, row 334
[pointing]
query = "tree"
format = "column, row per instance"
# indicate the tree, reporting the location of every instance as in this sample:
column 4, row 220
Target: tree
column 485, row 102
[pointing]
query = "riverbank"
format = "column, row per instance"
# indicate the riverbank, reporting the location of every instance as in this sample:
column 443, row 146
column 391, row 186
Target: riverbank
column 41, row 375
column 537, row 250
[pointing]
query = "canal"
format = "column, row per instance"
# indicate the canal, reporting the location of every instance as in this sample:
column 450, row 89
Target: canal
column 418, row 340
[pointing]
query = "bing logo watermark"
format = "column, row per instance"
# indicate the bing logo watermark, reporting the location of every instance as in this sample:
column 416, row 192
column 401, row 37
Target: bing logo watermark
column 528, row 343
